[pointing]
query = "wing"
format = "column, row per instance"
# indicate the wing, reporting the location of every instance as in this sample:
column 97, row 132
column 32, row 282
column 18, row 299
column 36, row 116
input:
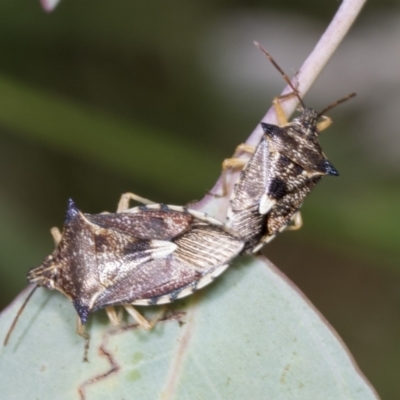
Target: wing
column 158, row 222
column 201, row 254
column 119, row 255
column 243, row 214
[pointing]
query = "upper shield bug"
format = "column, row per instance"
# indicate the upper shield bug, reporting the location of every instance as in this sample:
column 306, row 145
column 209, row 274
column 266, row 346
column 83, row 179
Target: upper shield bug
column 283, row 169
column 147, row 255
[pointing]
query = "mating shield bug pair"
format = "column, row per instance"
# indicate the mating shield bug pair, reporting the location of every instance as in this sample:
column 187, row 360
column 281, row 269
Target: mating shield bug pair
column 155, row 254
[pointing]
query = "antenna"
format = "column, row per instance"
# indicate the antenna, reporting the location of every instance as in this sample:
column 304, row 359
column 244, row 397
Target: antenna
column 337, row 102
column 285, row 77
column 21, row 309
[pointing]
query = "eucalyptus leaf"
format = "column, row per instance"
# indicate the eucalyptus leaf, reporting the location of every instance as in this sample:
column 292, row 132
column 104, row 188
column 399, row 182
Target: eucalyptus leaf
column 250, row 335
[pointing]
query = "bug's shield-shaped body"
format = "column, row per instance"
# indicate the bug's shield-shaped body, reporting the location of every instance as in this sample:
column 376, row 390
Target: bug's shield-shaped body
column 286, row 165
column 147, row 255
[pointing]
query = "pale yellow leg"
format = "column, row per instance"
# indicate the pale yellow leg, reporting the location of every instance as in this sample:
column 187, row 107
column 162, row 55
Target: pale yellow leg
column 113, row 316
column 280, row 113
column 236, row 162
column 143, row 323
column 123, row 203
column 244, row 148
column 233, row 163
column 228, row 165
column 55, row 232
column 80, row 330
column 296, row 223
column 158, row 316
column 322, row 125
column 325, row 123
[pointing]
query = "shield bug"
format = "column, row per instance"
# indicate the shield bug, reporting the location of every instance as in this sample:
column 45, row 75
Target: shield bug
column 284, row 168
column 147, row 255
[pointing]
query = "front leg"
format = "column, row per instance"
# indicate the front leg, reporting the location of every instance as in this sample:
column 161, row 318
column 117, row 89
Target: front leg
column 324, row 123
column 80, row 330
column 55, row 232
column 280, row 113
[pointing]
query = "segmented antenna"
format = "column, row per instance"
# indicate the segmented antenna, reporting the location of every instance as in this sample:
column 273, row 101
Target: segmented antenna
column 295, row 91
column 337, row 102
column 285, row 77
column 21, row 309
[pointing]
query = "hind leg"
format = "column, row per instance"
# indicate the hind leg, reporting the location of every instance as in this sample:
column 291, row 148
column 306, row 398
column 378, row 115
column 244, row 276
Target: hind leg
column 233, row 164
column 296, row 222
column 142, row 322
column 125, row 199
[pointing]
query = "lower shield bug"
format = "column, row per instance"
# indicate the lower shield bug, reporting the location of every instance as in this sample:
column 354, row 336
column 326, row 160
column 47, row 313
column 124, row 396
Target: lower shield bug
column 284, row 168
column 147, row 255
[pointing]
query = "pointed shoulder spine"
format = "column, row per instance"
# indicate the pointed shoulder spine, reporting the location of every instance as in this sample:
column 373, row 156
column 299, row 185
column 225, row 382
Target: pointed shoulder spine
column 72, row 211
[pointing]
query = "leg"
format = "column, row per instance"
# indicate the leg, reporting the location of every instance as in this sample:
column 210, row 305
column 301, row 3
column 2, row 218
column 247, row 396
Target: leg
column 123, row 203
column 233, row 163
column 324, row 123
column 295, row 223
column 80, row 330
column 55, row 232
column 280, row 113
column 112, row 315
column 143, row 323
column 244, row 148
column 236, row 162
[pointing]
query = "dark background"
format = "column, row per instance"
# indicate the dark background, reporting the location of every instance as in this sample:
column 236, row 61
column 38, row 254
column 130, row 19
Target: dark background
column 103, row 97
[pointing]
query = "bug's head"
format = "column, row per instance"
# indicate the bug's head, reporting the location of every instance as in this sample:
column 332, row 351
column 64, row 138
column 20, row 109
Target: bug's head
column 47, row 273
column 44, row 275
column 308, row 121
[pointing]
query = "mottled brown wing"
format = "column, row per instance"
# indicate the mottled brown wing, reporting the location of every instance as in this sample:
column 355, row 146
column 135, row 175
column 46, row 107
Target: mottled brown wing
column 154, row 278
column 144, row 223
column 117, row 254
column 243, row 214
column 253, row 179
column 206, row 246
column 202, row 253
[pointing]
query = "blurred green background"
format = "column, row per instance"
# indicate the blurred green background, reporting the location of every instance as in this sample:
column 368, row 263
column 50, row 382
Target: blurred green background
column 103, row 97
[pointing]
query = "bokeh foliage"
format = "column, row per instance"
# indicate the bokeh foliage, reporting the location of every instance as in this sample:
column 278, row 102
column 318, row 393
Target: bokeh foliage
column 100, row 98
